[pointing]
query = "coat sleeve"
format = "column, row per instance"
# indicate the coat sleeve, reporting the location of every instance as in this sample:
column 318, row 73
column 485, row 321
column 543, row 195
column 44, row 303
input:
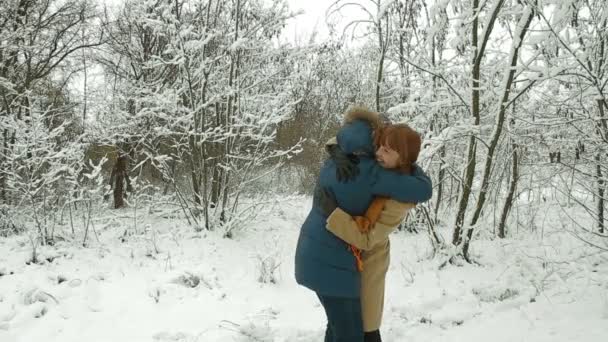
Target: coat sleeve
column 345, row 227
column 414, row 188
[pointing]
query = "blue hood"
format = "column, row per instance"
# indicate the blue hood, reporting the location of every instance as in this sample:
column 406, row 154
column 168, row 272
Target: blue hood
column 356, row 137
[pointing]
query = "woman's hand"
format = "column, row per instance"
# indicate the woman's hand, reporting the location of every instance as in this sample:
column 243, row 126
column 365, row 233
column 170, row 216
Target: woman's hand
column 346, row 164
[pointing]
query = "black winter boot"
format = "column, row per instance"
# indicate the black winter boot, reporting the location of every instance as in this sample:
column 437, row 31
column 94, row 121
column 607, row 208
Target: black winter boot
column 373, row 336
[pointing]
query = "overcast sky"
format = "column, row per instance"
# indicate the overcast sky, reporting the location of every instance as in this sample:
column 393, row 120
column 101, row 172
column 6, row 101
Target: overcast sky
column 313, row 17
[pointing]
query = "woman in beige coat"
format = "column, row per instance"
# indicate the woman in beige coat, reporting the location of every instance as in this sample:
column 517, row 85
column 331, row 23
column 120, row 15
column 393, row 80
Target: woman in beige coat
column 398, row 148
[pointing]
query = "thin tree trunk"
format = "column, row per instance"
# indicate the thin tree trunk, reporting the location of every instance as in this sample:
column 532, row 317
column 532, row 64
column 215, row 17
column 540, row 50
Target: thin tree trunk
column 471, row 154
column 466, row 191
column 441, row 179
column 379, row 78
column 3, row 196
column 205, row 194
column 202, row 172
column 524, row 23
column 87, row 221
column 479, row 56
column 602, row 128
column 215, row 160
column 402, row 67
column 71, row 220
column 119, row 174
column 194, row 143
column 478, row 53
column 436, row 126
column 512, row 187
column 215, row 183
column 5, row 133
column 230, row 113
column 600, row 193
column 380, row 71
column 442, row 150
column 85, row 89
column 194, row 169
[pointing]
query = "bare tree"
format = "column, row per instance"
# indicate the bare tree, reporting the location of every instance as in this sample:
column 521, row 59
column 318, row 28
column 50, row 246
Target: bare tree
column 580, row 34
column 379, row 18
column 521, row 29
column 478, row 51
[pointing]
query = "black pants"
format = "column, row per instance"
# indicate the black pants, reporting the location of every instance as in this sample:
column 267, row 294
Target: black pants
column 373, row 336
column 344, row 323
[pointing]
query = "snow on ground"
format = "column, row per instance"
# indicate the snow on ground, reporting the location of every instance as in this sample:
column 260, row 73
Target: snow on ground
column 169, row 283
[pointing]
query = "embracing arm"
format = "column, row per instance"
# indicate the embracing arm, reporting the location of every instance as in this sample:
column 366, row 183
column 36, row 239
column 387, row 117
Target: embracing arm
column 390, row 214
column 415, row 188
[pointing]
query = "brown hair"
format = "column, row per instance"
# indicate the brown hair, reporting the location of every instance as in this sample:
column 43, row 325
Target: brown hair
column 403, row 139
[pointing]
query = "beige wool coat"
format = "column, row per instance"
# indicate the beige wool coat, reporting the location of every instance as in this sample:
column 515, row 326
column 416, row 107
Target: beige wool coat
column 375, row 245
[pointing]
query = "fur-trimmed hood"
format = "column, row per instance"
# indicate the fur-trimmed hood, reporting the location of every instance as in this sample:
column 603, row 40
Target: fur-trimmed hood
column 356, row 136
column 362, row 113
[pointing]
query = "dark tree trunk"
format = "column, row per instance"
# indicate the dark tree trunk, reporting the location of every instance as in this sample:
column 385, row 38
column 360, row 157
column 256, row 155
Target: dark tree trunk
column 120, row 177
column 600, row 193
column 509, row 200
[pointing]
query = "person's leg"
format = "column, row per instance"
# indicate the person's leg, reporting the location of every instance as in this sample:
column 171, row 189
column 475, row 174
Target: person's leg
column 329, row 337
column 343, row 319
column 373, row 336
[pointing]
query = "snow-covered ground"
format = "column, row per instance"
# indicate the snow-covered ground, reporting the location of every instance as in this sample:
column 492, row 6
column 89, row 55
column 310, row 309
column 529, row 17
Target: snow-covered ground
column 168, row 283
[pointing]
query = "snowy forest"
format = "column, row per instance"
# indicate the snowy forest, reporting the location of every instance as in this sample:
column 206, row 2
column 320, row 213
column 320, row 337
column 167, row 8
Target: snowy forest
column 158, row 158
